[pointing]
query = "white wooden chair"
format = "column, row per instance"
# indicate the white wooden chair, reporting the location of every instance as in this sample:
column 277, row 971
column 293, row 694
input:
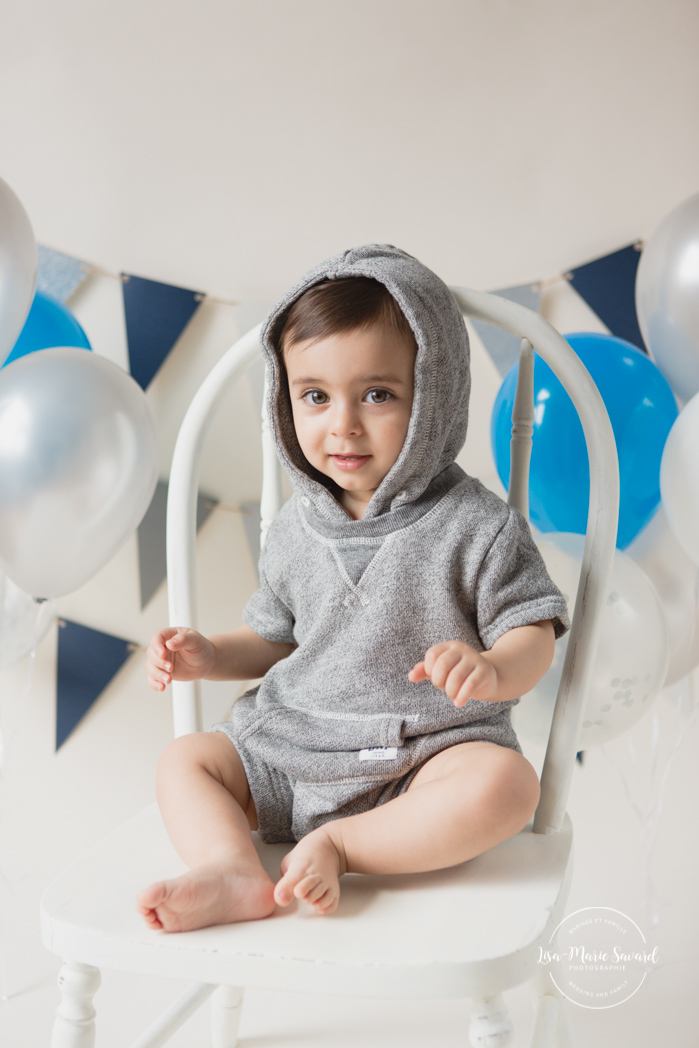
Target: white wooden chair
column 471, row 931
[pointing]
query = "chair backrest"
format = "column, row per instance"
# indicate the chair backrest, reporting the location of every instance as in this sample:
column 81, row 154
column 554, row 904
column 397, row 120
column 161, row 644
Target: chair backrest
column 601, row 524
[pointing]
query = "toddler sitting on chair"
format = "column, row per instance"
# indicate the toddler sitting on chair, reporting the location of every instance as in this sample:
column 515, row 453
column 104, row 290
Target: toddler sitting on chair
column 403, row 609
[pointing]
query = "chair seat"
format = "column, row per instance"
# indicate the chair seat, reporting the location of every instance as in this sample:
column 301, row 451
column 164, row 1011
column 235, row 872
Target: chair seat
column 470, row 930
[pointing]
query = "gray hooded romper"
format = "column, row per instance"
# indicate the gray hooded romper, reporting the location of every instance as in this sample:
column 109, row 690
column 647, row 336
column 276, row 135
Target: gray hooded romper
column 337, row 728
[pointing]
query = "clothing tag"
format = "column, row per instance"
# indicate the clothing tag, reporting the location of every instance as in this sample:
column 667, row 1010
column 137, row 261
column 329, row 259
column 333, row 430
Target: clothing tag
column 379, row 753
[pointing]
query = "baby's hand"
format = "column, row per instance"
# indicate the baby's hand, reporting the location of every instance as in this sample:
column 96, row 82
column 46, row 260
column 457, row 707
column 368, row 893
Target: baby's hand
column 459, row 670
column 178, row 654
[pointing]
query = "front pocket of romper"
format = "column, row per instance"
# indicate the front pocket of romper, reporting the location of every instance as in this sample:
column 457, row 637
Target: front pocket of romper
column 292, row 727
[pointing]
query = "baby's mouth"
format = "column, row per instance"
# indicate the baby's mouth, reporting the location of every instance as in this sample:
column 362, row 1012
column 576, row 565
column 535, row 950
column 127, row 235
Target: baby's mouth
column 350, row 461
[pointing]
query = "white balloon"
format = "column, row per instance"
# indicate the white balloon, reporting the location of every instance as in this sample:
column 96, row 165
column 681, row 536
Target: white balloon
column 23, row 623
column 679, row 478
column 632, row 659
column 667, row 297
column 676, row 581
column 78, row 467
column 18, row 265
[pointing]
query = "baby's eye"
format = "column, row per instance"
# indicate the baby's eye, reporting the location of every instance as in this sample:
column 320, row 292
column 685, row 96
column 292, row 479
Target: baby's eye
column 378, row 396
column 315, row 396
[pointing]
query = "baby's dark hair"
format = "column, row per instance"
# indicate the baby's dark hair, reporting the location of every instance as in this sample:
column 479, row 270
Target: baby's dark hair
column 335, row 306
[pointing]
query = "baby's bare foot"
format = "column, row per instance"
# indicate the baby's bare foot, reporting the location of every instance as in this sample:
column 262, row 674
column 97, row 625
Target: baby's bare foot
column 312, row 871
column 211, row 894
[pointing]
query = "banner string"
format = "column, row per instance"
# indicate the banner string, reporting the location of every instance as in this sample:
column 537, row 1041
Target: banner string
column 566, row 277
column 559, row 278
column 98, row 271
column 93, row 269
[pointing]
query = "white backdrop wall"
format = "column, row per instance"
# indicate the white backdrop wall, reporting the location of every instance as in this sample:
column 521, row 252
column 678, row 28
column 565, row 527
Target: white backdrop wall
column 226, row 146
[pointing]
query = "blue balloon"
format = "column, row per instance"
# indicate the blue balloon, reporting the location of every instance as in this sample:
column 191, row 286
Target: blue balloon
column 641, row 408
column 49, row 324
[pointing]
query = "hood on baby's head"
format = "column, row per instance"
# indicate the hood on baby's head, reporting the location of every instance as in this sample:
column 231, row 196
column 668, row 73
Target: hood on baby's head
column 439, row 416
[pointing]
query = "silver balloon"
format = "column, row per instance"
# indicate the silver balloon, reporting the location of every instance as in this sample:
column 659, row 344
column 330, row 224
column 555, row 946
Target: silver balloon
column 78, row 467
column 667, row 297
column 18, row 264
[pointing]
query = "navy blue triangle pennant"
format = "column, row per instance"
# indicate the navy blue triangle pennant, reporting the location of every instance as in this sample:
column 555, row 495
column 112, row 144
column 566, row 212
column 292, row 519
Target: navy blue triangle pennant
column 156, row 315
column 608, row 285
column 152, row 558
column 87, row 661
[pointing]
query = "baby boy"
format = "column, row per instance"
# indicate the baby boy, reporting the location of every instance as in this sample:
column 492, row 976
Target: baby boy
column 403, row 609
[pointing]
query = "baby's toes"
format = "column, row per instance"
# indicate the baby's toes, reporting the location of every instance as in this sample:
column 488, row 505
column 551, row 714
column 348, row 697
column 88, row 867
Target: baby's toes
column 327, row 903
column 152, row 896
column 318, row 893
column 150, row 917
column 285, row 889
column 309, row 887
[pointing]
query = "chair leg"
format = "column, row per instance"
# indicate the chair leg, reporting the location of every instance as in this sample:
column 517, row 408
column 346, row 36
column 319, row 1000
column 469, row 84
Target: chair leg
column 558, row 1017
column 491, row 1026
column 545, row 1022
column 74, row 1026
column 226, row 1008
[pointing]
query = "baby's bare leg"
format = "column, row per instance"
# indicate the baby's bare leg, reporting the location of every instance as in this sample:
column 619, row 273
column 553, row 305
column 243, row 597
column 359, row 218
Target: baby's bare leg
column 462, row 802
column 206, row 806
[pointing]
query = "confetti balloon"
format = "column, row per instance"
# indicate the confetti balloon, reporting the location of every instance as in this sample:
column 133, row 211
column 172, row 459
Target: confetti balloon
column 676, row 580
column 23, row 623
column 679, row 479
column 632, row 658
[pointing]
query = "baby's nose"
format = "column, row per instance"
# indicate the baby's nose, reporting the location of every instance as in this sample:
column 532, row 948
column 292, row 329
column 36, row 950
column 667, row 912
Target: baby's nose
column 345, row 420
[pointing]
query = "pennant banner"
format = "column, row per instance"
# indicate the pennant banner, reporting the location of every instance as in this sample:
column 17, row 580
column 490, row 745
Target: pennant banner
column 608, row 285
column 152, row 558
column 58, row 274
column 87, row 662
column 503, row 348
column 156, row 315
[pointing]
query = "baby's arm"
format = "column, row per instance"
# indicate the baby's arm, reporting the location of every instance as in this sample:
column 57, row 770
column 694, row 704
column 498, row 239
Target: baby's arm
column 185, row 654
column 514, row 664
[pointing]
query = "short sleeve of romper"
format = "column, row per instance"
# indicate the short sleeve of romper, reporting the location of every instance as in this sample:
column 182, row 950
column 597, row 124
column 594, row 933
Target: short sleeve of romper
column 513, row 585
column 269, row 616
